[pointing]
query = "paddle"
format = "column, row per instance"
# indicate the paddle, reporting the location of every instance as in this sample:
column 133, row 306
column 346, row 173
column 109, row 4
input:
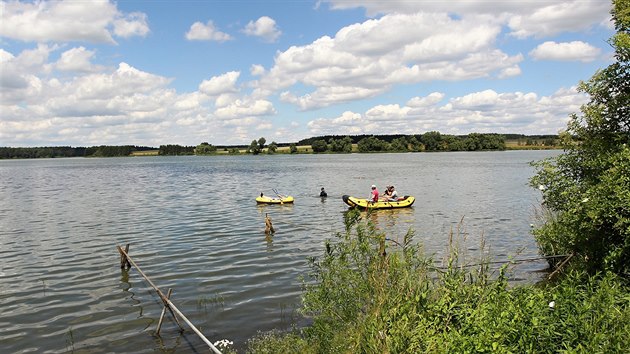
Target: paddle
column 278, row 194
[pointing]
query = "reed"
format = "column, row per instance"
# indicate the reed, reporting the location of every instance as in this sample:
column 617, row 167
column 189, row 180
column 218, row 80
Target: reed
column 215, row 301
column 70, row 340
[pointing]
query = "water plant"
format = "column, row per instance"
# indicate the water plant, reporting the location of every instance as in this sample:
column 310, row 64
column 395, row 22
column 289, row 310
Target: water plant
column 215, row 301
column 70, row 340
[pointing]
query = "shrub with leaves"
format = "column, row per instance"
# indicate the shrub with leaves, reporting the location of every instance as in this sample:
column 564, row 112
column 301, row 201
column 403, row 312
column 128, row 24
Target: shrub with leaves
column 586, row 191
column 366, row 294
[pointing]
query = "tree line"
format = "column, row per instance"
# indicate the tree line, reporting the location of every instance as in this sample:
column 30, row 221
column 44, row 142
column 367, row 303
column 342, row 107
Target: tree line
column 176, row 150
column 430, row 141
column 67, row 151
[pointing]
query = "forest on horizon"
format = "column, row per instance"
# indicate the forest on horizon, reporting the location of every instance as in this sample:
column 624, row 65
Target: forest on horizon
column 430, row 141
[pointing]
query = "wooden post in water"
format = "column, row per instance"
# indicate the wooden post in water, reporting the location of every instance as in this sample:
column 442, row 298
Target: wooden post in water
column 167, row 302
column 268, row 225
column 159, row 325
column 381, row 246
column 124, row 262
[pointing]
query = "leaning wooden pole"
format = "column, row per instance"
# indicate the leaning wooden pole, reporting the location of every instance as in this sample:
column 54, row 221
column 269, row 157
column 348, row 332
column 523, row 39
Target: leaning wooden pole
column 167, row 302
column 159, row 325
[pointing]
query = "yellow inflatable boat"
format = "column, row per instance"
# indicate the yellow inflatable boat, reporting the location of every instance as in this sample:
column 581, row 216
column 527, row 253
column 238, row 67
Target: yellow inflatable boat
column 403, row 202
column 263, row 199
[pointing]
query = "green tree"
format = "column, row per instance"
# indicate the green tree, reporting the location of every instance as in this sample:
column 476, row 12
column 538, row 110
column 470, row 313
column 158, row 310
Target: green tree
column 319, row 146
column 205, row 149
column 473, row 142
column 340, row 145
column 587, row 190
column 399, row 144
column 372, row 144
column 174, row 150
column 450, row 143
column 261, row 143
column 112, row 151
column 293, row 148
column 254, row 148
column 432, row 140
column 414, row 144
column 347, row 144
column 271, row 149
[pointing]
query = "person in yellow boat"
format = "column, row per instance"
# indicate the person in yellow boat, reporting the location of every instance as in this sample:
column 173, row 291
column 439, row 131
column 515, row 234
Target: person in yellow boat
column 390, row 195
column 373, row 194
column 386, row 195
column 393, row 195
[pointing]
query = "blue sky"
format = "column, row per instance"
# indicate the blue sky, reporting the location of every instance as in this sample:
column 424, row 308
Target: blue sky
column 85, row 73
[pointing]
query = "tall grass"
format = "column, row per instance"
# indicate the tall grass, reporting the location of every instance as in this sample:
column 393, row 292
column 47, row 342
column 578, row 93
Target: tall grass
column 366, row 297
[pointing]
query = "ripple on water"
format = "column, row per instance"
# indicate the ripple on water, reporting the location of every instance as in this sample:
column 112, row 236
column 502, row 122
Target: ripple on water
column 192, row 225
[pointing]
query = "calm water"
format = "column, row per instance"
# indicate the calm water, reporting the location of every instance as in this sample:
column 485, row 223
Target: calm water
column 194, row 226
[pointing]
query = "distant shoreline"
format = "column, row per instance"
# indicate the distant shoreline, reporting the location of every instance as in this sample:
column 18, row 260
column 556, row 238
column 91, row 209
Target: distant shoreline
column 428, row 142
column 302, row 150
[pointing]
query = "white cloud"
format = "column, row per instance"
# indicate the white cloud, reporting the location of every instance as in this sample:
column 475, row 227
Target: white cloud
column 485, row 112
column 133, row 24
column 430, row 100
column 128, row 105
column 117, row 105
column 489, row 99
column 18, row 77
column 555, row 17
column 225, row 99
column 387, row 113
column 510, row 72
column 265, row 28
column 77, row 59
column 367, row 59
column 245, row 108
column 326, row 96
column 221, row 84
column 568, row 51
column 525, row 18
column 257, row 70
column 5, row 56
column 65, row 20
column 200, row 32
column 349, row 123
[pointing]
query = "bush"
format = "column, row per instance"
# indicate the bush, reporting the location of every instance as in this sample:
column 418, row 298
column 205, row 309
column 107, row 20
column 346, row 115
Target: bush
column 586, row 191
column 366, row 297
column 319, row 146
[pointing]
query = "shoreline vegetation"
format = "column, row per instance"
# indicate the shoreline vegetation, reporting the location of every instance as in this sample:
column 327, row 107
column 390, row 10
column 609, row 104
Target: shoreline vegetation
column 330, row 144
column 365, row 294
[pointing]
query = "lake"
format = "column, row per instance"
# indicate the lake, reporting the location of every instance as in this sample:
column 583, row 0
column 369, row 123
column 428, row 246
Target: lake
column 193, row 225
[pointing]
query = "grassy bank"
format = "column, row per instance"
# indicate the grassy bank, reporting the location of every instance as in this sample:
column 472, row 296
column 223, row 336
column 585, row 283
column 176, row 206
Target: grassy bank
column 145, row 153
column 366, row 295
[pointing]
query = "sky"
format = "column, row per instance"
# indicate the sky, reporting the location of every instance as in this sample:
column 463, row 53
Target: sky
column 148, row 73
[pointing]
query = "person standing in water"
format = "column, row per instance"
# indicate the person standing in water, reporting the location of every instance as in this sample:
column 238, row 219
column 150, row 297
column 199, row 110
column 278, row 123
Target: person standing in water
column 323, row 193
